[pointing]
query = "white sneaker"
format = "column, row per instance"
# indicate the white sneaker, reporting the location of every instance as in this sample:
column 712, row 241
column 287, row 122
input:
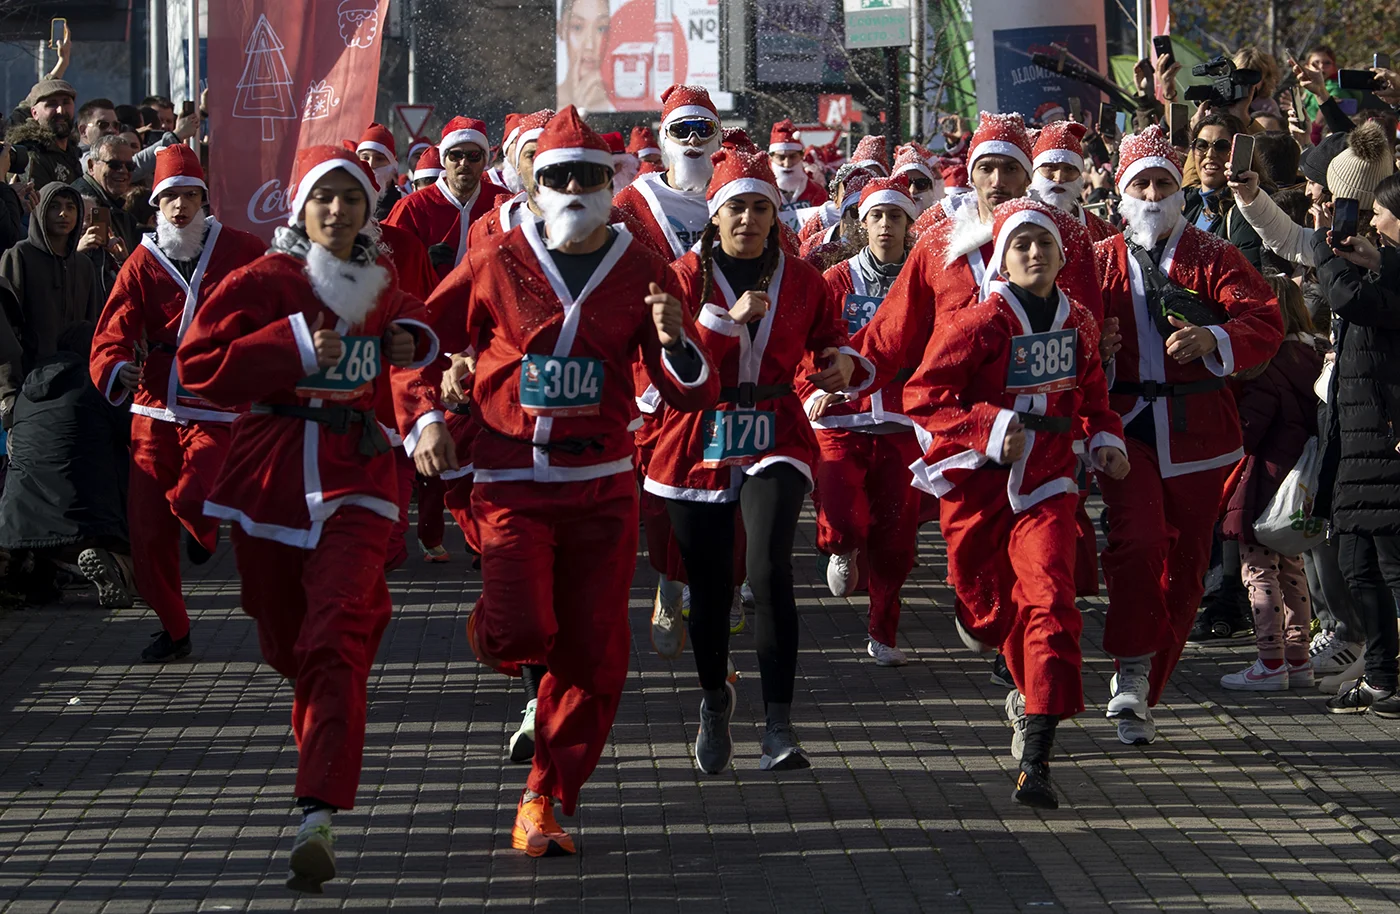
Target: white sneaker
column 746, row 595
column 968, row 641
column 886, row 655
column 1330, row 654
column 1257, row 678
column 1301, row 675
column 685, row 602
column 667, row 627
column 522, row 742
column 1133, row 732
column 736, row 614
column 1340, row 682
column 841, row 574
column 1016, row 714
column 1128, row 696
column 313, row 854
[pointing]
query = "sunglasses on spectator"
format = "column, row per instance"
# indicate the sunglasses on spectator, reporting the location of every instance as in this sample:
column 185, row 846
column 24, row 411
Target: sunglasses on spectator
column 692, row 126
column 587, row 174
column 104, row 125
column 118, row 164
column 1220, row 147
column 919, row 185
column 470, row 155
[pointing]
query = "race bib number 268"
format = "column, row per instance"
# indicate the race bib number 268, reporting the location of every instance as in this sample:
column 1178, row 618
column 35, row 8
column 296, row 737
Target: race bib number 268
column 348, row 378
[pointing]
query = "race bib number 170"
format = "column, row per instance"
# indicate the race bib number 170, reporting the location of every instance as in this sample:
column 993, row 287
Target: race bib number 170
column 736, row 437
column 1043, row 363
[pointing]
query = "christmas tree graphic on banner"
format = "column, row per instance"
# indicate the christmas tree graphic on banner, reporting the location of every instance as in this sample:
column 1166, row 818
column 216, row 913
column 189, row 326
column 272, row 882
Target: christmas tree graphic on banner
column 265, row 88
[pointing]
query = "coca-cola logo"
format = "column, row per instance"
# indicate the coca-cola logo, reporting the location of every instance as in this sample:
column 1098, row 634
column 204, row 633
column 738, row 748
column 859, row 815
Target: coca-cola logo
column 269, row 203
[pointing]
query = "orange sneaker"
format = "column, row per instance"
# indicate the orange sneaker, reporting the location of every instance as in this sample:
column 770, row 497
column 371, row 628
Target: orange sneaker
column 536, row 833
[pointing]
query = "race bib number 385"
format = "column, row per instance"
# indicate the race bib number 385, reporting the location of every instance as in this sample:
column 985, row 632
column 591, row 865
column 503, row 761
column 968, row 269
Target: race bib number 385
column 560, row 386
column 736, row 437
column 348, row 378
column 1043, row 363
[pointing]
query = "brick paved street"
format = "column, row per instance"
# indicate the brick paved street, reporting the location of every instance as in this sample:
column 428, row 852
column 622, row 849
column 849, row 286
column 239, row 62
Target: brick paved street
column 128, row 788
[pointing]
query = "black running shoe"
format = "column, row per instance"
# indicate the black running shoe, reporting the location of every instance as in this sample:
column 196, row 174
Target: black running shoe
column 1361, row 698
column 194, row 549
column 1224, row 615
column 164, row 648
column 1033, row 787
column 1001, row 674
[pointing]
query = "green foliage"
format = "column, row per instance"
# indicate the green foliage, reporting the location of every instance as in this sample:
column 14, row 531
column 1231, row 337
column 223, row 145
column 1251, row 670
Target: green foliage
column 1355, row 28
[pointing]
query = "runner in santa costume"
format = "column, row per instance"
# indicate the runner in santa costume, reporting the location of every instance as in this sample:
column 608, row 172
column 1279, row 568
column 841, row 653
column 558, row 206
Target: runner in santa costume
column 869, row 159
column 642, row 144
column 428, row 169
column 178, row 441
column 760, row 311
column 911, row 162
column 796, row 187
column 306, row 334
column 504, row 173
column 1059, row 174
column 556, row 316
column 442, row 213
column 1006, row 388
column 1182, row 429
column 376, row 148
column 957, row 195
column 625, row 165
column 867, row 513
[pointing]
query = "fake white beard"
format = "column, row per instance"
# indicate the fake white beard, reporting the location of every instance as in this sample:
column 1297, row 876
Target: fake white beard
column 1064, row 196
column 691, row 175
column 924, row 199
column 351, row 290
column 511, row 175
column 1146, row 222
column 375, row 234
column 386, row 176
column 180, row 243
column 569, row 225
column 790, row 180
column 625, row 168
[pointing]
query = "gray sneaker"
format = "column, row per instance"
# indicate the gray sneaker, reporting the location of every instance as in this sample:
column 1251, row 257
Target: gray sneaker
column 667, row 626
column 313, row 859
column 714, row 746
column 110, row 574
column 780, row 750
column 1016, row 714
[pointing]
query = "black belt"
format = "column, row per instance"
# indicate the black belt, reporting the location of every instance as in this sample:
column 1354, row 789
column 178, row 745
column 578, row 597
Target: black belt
column 1152, row 391
column 748, row 393
column 160, row 347
column 904, row 374
column 337, row 420
column 571, row 446
column 1058, row 425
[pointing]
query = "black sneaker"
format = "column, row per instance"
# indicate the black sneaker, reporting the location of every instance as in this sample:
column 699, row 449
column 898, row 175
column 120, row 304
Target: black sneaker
column 1033, row 787
column 164, row 648
column 114, row 584
column 1389, row 707
column 1225, row 615
column 1001, row 674
column 194, row 549
column 1360, row 698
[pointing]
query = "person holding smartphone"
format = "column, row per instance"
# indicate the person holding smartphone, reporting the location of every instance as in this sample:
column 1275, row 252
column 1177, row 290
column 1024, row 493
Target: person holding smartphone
column 1210, row 205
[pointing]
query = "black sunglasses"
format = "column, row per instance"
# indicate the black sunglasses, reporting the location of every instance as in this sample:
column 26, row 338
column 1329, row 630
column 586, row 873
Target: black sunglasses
column 118, row 164
column 692, row 126
column 587, row 174
column 919, row 185
column 470, row 155
column 1220, row 146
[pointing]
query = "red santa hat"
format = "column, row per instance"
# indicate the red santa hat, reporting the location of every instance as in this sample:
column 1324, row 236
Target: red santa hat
column 615, row 144
column 1000, row 135
column 1149, row 149
column 854, row 186
column 643, row 143
column 461, row 130
column 954, row 177
column 887, row 192
column 1060, row 142
column 870, row 153
column 740, row 170
column 910, row 158
column 177, row 165
column 680, row 102
column 430, row 165
column 735, row 138
column 380, row 139
column 566, row 138
column 783, row 137
column 531, row 126
column 1013, row 214
column 417, row 147
column 511, row 130
column 315, row 162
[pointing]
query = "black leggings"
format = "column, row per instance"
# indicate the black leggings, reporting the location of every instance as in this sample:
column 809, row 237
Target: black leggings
column 1371, row 566
column 771, row 502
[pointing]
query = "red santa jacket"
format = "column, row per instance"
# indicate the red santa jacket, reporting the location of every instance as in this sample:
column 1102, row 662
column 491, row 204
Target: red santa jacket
column 959, row 395
column 946, row 208
column 508, row 301
column 435, row 216
column 251, row 342
column 803, row 318
column 813, row 194
column 1099, row 229
column 1216, row 270
column 416, row 278
column 151, row 303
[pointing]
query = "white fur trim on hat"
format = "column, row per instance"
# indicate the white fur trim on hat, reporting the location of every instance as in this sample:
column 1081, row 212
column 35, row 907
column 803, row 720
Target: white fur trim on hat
column 459, row 137
column 422, row 173
column 874, row 165
column 648, row 151
column 510, row 138
column 320, row 170
column 564, row 154
column 176, row 181
column 999, row 148
column 685, row 111
column 916, row 166
column 784, row 147
column 1016, row 221
column 888, row 198
column 1059, row 156
column 374, row 147
column 1144, row 163
column 528, row 136
column 743, row 186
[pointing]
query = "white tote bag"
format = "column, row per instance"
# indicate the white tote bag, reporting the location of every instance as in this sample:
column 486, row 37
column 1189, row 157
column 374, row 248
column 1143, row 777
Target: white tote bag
column 1287, row 525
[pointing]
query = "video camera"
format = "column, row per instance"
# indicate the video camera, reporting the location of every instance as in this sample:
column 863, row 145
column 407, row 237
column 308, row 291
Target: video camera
column 1228, row 83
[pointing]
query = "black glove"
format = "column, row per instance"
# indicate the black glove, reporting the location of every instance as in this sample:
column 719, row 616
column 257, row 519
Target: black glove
column 442, row 255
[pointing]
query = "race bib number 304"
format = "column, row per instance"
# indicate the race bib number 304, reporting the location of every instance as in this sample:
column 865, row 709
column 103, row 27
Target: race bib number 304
column 736, row 437
column 348, row 378
column 858, row 311
column 1043, row 363
column 560, row 386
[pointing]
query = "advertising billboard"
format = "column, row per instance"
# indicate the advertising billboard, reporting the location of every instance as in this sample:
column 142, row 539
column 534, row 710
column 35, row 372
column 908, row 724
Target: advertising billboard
column 1038, row 94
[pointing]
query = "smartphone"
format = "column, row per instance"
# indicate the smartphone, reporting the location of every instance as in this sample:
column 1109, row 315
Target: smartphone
column 186, row 108
column 1108, row 121
column 1241, row 154
column 58, row 30
column 1346, row 214
column 1098, row 152
column 1299, row 106
column 1162, row 44
column 102, row 216
column 1381, row 61
column 1361, row 80
column 1076, row 109
column 1179, row 125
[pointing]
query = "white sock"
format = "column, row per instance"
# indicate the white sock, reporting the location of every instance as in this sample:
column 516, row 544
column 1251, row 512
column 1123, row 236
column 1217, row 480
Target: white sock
column 316, row 817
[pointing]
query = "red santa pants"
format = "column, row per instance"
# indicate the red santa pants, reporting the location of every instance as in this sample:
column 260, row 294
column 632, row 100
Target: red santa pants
column 172, row 469
column 320, row 615
column 405, row 474
column 556, row 568
column 1159, row 530
column 432, row 493
column 1014, row 578
column 865, row 501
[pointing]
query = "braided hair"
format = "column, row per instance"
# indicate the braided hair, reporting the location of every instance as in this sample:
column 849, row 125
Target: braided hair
column 772, row 248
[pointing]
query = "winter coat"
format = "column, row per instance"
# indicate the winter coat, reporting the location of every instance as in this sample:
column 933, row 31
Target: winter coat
column 12, row 230
column 1278, row 414
column 124, row 225
column 47, row 163
column 1360, row 484
column 1231, row 226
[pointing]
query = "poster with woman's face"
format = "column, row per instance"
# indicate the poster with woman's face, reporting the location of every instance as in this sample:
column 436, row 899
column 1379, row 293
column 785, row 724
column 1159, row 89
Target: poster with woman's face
column 618, row 55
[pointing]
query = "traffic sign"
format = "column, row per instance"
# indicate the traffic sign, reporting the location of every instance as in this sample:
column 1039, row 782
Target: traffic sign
column 877, row 23
column 414, row 117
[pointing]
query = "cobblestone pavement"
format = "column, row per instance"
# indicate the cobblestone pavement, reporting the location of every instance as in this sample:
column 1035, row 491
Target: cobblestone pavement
column 130, row 788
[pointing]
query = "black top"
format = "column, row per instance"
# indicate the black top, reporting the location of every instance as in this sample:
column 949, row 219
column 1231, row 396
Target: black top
column 1039, row 309
column 577, row 269
column 742, row 273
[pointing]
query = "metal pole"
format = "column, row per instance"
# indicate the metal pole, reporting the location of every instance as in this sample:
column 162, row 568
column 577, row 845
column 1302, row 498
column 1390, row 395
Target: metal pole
column 155, row 11
column 194, row 63
column 1144, row 21
column 412, row 11
column 892, row 106
column 915, row 56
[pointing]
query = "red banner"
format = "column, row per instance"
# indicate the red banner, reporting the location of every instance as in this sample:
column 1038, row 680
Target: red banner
column 284, row 74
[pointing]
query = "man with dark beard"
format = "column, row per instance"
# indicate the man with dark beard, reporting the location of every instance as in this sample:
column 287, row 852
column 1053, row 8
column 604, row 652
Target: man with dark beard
column 558, row 313
column 48, row 135
column 177, row 440
column 1179, row 419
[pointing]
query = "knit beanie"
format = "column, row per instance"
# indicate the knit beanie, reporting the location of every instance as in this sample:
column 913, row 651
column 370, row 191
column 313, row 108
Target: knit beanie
column 1356, row 170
